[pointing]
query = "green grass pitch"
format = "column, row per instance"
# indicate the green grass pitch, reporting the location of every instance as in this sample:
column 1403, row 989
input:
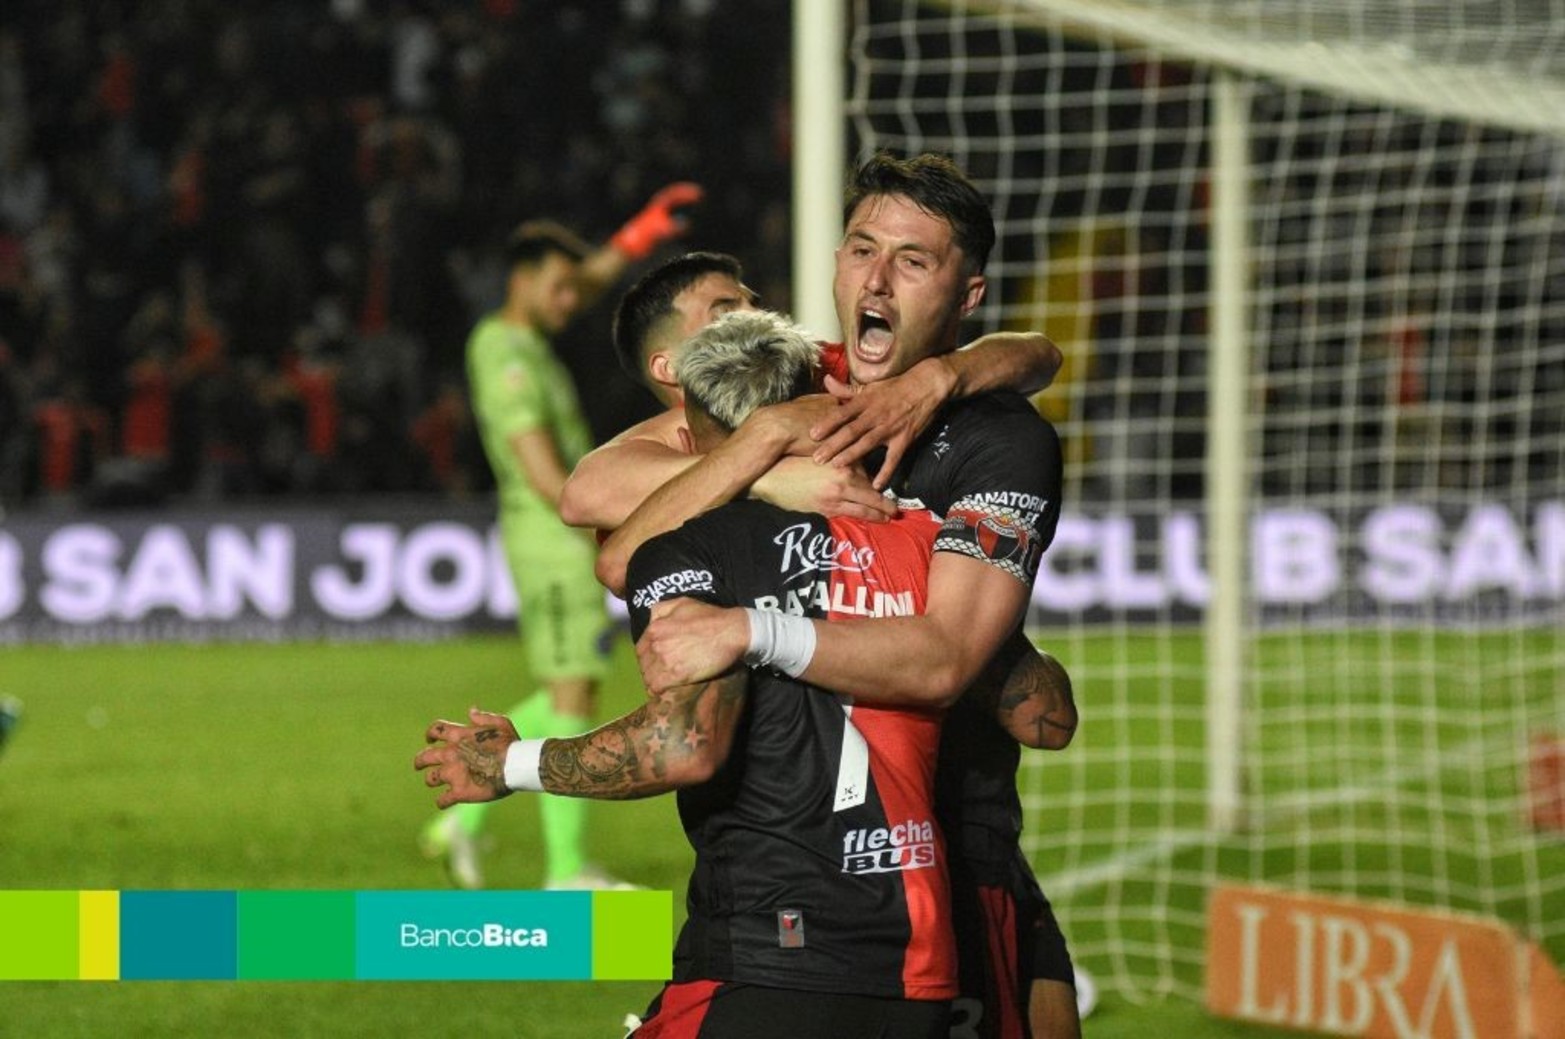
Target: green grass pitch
column 289, row 767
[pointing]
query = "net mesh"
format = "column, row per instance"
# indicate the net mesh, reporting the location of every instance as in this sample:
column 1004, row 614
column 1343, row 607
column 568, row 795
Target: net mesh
column 1404, row 686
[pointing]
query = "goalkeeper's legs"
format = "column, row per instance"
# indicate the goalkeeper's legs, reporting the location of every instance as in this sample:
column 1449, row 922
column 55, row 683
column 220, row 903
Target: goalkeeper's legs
column 564, row 819
column 567, row 635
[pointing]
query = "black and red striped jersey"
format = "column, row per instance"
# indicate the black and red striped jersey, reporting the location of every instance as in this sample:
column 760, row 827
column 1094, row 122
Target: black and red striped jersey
column 991, row 467
column 819, row 862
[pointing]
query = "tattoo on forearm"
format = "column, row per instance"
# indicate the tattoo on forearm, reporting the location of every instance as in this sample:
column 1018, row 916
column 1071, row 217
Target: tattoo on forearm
column 1037, row 697
column 648, row 750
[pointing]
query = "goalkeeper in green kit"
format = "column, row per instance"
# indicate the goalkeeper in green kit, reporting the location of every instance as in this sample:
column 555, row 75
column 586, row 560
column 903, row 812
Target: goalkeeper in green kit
column 533, row 434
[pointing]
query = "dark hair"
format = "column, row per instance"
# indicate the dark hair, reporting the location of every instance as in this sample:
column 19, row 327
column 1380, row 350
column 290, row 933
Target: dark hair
column 534, row 240
column 936, row 185
column 651, row 299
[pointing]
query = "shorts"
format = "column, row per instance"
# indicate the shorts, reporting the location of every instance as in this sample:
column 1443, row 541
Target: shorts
column 559, row 602
column 724, row 1009
column 1007, row 938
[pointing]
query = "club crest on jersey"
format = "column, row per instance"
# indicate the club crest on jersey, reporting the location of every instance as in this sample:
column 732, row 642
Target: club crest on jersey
column 790, row 928
column 1002, row 534
column 1004, row 537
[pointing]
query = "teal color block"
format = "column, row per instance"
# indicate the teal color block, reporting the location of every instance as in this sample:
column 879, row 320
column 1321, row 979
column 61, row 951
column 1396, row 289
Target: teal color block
column 178, row 935
column 474, row 935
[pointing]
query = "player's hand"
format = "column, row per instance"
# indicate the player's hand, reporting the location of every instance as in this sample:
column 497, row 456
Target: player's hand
column 690, row 641
column 790, row 423
column 893, row 412
column 800, row 485
column 658, row 221
column 469, row 760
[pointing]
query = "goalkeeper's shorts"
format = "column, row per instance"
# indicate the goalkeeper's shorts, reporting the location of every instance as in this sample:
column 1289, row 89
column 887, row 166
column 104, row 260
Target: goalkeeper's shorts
column 564, row 624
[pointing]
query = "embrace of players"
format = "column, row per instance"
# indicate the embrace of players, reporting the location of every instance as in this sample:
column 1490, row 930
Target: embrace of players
column 838, row 685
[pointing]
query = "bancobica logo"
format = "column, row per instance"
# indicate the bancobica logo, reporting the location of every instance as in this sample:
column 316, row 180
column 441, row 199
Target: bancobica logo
column 487, row 936
column 889, row 849
column 680, row 582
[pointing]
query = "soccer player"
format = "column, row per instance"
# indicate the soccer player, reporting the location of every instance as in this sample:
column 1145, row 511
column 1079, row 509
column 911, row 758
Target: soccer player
column 909, row 268
column 533, row 432
column 674, row 301
column 818, row 903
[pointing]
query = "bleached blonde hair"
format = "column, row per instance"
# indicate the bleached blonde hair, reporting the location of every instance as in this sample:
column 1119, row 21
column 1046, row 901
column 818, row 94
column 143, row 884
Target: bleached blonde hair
column 743, row 361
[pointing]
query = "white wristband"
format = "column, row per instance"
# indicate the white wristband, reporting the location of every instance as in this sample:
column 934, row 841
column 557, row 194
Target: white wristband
column 780, row 641
column 521, row 765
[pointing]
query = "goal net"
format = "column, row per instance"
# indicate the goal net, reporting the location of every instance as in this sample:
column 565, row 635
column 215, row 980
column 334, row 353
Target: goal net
column 1378, row 187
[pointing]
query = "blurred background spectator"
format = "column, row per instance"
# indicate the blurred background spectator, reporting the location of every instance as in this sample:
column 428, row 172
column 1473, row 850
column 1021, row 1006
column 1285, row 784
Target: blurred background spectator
column 240, row 247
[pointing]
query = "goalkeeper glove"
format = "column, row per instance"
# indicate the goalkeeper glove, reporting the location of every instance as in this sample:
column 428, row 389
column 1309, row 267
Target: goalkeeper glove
column 657, row 222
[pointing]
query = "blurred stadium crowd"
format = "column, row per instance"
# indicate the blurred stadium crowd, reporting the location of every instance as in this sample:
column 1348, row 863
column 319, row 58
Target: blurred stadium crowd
column 241, row 246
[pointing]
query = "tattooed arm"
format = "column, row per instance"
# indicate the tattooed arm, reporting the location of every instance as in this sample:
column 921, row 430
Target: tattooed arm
column 676, row 739
column 1031, row 694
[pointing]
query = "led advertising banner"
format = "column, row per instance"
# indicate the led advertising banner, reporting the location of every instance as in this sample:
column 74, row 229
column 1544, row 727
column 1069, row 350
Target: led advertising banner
column 426, row 572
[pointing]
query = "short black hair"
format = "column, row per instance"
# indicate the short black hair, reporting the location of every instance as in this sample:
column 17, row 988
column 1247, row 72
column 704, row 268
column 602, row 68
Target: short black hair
column 936, row 185
column 534, row 240
column 651, row 299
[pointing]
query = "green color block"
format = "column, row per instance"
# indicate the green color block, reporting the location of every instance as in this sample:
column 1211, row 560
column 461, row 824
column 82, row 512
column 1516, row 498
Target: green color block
column 38, row 936
column 632, row 935
column 296, row 935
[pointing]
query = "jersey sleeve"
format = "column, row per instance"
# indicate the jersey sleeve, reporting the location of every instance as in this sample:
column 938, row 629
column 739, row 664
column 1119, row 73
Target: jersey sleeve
column 1005, row 481
column 669, row 566
column 508, row 395
column 833, row 362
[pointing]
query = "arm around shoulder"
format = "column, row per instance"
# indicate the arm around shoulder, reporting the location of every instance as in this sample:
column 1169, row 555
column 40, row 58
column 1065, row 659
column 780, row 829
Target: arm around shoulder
column 611, row 481
column 1022, row 361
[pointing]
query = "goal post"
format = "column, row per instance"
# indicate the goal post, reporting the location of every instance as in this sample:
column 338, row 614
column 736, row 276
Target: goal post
column 1307, row 265
column 1227, row 467
column 819, row 157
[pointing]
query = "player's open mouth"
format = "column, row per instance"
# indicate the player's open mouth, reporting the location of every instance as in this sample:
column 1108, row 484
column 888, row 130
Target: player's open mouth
column 875, row 337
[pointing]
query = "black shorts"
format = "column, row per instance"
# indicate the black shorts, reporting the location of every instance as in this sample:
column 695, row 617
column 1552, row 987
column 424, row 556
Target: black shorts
column 724, row 1009
column 1007, row 938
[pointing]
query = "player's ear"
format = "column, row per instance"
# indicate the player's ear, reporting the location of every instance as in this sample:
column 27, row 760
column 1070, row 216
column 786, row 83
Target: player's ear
column 660, row 366
column 973, row 294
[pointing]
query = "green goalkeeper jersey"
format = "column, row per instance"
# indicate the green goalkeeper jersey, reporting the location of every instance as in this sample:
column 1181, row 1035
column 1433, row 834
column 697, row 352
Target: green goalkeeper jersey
column 518, row 384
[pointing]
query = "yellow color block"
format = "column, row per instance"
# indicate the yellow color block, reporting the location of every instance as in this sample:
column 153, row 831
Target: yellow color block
column 99, row 938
